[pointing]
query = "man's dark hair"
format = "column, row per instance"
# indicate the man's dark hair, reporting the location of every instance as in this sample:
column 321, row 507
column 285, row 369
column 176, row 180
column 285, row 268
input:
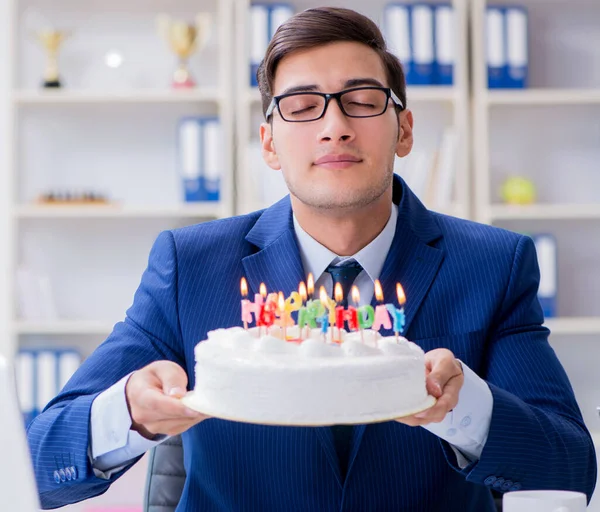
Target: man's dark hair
column 320, row 26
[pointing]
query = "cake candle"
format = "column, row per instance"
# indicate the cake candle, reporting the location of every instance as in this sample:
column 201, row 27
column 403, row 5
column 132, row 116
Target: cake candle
column 325, row 318
column 246, row 304
column 282, row 316
column 302, row 311
column 382, row 318
column 259, row 304
column 353, row 323
column 339, row 310
column 310, row 285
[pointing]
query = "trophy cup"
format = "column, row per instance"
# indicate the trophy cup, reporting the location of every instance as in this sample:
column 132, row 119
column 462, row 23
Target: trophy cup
column 51, row 40
column 184, row 38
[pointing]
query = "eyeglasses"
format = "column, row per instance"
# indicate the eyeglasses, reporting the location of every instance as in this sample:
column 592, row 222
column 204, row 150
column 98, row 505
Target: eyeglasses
column 302, row 107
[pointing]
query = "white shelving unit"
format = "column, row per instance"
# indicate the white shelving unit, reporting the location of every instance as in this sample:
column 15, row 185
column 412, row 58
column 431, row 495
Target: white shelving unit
column 435, row 108
column 112, row 131
column 549, row 134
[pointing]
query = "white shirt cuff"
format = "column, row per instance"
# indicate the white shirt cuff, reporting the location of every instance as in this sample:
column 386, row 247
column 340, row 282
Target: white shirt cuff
column 113, row 444
column 467, row 426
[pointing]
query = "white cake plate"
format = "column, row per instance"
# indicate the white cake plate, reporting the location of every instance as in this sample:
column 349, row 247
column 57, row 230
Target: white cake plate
column 193, row 401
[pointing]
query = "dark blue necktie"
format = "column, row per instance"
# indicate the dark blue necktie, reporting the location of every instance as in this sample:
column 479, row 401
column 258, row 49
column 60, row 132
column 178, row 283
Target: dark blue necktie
column 342, row 434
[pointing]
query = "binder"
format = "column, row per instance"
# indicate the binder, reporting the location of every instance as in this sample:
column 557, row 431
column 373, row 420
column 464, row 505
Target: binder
column 213, row 170
column 259, row 38
column 26, row 383
column 545, row 245
column 190, row 158
column 495, row 47
column 444, row 44
column 278, row 14
column 397, row 30
column 47, row 378
column 517, row 54
column 68, row 363
column 422, row 45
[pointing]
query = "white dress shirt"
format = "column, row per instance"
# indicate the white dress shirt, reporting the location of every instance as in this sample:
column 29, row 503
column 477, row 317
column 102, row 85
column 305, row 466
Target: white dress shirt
column 465, row 428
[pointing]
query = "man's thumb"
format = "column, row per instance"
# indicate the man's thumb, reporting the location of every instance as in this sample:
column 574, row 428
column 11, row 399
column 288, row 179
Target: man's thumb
column 173, row 378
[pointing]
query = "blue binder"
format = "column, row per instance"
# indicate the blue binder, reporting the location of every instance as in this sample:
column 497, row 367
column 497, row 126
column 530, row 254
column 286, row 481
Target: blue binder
column 422, row 45
column 517, row 51
column 199, row 158
column 495, row 37
column 445, row 54
column 259, row 38
column 546, row 248
column 397, row 34
column 265, row 19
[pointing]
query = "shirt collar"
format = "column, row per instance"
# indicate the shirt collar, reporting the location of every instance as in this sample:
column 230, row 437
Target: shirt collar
column 316, row 257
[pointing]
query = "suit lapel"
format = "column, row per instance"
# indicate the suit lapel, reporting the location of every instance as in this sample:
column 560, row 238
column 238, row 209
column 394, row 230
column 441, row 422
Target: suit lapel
column 277, row 263
column 411, row 261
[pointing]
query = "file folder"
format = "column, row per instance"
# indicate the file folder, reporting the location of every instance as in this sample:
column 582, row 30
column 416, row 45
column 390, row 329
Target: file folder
column 213, row 161
column 278, row 14
column 422, row 45
column 397, row 30
column 259, row 38
column 190, row 158
column 517, row 54
column 495, row 47
column 444, row 44
column 545, row 245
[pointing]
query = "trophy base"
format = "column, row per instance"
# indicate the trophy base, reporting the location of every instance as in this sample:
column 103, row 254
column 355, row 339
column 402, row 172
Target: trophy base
column 51, row 84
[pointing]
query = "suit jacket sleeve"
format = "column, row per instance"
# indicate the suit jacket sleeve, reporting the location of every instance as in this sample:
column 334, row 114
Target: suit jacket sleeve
column 537, row 438
column 60, row 436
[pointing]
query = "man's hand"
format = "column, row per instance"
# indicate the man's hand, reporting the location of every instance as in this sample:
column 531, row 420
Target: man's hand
column 153, row 395
column 444, row 379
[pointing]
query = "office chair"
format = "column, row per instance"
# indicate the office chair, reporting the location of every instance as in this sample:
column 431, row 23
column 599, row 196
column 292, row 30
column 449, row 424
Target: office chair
column 165, row 477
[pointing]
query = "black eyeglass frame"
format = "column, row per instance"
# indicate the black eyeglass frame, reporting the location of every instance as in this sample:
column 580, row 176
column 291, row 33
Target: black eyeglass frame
column 337, row 96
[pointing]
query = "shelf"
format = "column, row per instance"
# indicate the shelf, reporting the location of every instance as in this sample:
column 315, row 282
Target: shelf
column 67, row 96
column 208, row 210
column 543, row 97
column 414, row 94
column 63, row 327
column 574, row 325
column 545, row 212
column 596, row 438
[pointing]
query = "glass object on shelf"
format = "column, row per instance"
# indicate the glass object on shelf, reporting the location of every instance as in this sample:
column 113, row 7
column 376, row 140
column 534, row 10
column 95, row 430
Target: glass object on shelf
column 184, row 38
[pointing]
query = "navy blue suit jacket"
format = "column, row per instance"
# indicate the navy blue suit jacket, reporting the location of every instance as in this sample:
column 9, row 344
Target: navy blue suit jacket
column 471, row 288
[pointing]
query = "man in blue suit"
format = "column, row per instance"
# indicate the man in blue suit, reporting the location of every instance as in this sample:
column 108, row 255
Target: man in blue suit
column 505, row 419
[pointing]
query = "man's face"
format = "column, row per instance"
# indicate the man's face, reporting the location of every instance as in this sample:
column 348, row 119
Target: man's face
column 335, row 162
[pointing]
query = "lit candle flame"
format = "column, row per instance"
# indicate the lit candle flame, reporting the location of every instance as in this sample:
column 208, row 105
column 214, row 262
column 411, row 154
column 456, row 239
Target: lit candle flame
column 263, row 290
column 244, row 287
column 310, row 284
column 302, row 291
column 355, row 295
column 323, row 296
column 281, row 301
column 378, row 291
column 338, row 293
column 400, row 293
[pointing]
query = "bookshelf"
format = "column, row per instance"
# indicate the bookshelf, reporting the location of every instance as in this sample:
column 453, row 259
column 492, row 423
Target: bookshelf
column 548, row 133
column 110, row 131
column 434, row 107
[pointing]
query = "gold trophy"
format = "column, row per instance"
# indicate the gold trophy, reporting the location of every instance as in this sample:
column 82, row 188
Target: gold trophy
column 184, row 38
column 51, row 40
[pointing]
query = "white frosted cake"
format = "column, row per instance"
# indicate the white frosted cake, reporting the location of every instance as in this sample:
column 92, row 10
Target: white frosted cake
column 241, row 376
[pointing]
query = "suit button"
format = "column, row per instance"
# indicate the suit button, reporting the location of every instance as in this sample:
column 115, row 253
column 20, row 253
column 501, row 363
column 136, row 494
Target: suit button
column 489, row 480
column 56, row 477
column 62, row 475
column 73, row 473
column 516, row 487
column 498, row 483
column 507, row 485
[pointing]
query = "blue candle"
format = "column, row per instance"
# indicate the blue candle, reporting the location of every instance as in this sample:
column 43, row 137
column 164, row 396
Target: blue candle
column 398, row 316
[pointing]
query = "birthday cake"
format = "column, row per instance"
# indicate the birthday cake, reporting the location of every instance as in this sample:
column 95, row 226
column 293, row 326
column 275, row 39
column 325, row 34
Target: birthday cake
column 303, row 377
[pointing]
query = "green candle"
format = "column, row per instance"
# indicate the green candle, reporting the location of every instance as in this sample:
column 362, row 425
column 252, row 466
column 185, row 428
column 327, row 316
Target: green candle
column 366, row 317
